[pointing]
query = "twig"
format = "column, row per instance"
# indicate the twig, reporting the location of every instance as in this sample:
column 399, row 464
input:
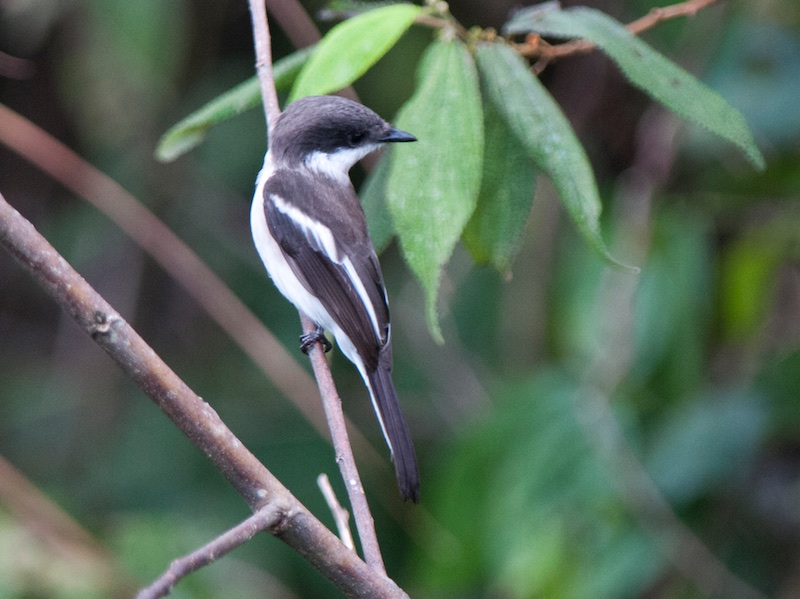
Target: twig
column 535, row 47
column 263, row 48
column 297, row 527
column 344, row 453
column 330, row 397
column 684, row 9
column 261, row 520
column 340, row 515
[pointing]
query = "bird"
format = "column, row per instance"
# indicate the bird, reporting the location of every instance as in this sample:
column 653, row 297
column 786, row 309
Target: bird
column 311, row 233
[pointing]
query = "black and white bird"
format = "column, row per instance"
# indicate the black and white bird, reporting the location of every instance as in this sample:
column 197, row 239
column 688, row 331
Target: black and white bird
column 311, row 233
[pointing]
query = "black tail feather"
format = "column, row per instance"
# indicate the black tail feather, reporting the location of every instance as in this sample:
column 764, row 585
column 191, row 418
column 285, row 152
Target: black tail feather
column 394, row 428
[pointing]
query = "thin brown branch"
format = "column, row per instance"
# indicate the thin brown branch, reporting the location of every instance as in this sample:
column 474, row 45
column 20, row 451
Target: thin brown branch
column 331, row 402
column 263, row 48
column 261, row 520
column 296, row 526
column 340, row 515
column 344, row 453
column 656, row 15
column 535, row 47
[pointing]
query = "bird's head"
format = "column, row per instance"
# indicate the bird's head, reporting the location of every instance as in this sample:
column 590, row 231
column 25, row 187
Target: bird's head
column 329, row 134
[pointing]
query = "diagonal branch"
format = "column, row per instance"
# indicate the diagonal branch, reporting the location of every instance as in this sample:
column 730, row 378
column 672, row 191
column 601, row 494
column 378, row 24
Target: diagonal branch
column 293, row 523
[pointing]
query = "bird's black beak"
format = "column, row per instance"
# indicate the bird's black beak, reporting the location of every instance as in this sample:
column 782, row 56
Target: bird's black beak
column 394, row 135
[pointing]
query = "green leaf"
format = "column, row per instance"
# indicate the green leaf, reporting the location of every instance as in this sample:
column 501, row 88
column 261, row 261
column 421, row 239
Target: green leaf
column 433, row 185
column 494, row 233
column 352, row 47
column 653, row 73
column 192, row 130
column 545, row 133
column 373, row 200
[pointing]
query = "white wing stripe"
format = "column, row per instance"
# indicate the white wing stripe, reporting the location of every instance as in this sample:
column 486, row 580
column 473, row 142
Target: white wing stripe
column 326, row 242
column 310, row 227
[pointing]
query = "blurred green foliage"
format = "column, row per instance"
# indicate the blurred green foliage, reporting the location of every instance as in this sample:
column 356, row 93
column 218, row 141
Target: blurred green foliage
column 530, row 488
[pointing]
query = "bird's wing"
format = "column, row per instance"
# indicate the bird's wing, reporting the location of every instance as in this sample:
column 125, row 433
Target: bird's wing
column 332, row 256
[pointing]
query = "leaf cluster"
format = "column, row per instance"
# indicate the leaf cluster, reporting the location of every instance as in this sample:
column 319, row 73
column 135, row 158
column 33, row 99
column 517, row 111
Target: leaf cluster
column 486, row 125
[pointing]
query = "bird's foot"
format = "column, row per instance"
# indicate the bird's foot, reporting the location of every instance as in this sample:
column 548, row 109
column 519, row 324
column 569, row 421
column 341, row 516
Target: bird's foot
column 308, row 340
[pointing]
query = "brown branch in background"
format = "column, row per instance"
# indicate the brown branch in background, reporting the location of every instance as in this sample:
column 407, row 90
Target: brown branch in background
column 295, row 21
column 293, row 523
column 63, row 537
column 535, row 47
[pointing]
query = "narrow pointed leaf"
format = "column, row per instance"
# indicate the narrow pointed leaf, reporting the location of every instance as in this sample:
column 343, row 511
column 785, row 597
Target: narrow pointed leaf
column 352, row 47
column 653, row 73
column 494, row 233
column 433, row 184
column 191, row 131
column 544, row 131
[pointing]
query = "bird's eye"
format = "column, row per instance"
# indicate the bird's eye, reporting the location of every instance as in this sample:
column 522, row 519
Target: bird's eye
column 356, row 138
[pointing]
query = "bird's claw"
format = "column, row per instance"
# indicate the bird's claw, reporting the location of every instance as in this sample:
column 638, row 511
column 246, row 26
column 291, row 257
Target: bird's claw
column 308, row 340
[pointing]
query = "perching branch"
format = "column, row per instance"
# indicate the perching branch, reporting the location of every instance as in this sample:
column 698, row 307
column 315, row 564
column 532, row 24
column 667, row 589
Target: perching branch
column 330, row 397
column 344, row 453
column 292, row 522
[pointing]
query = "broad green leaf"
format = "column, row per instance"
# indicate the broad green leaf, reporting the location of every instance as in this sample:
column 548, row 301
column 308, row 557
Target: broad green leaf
column 433, row 185
column 648, row 70
column 192, row 130
column 352, row 47
column 373, row 199
column 494, row 232
column 545, row 133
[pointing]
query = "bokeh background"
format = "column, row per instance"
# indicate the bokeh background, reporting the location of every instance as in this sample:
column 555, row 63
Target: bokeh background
column 582, row 433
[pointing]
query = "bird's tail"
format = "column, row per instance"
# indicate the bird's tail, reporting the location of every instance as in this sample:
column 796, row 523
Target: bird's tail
column 387, row 406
